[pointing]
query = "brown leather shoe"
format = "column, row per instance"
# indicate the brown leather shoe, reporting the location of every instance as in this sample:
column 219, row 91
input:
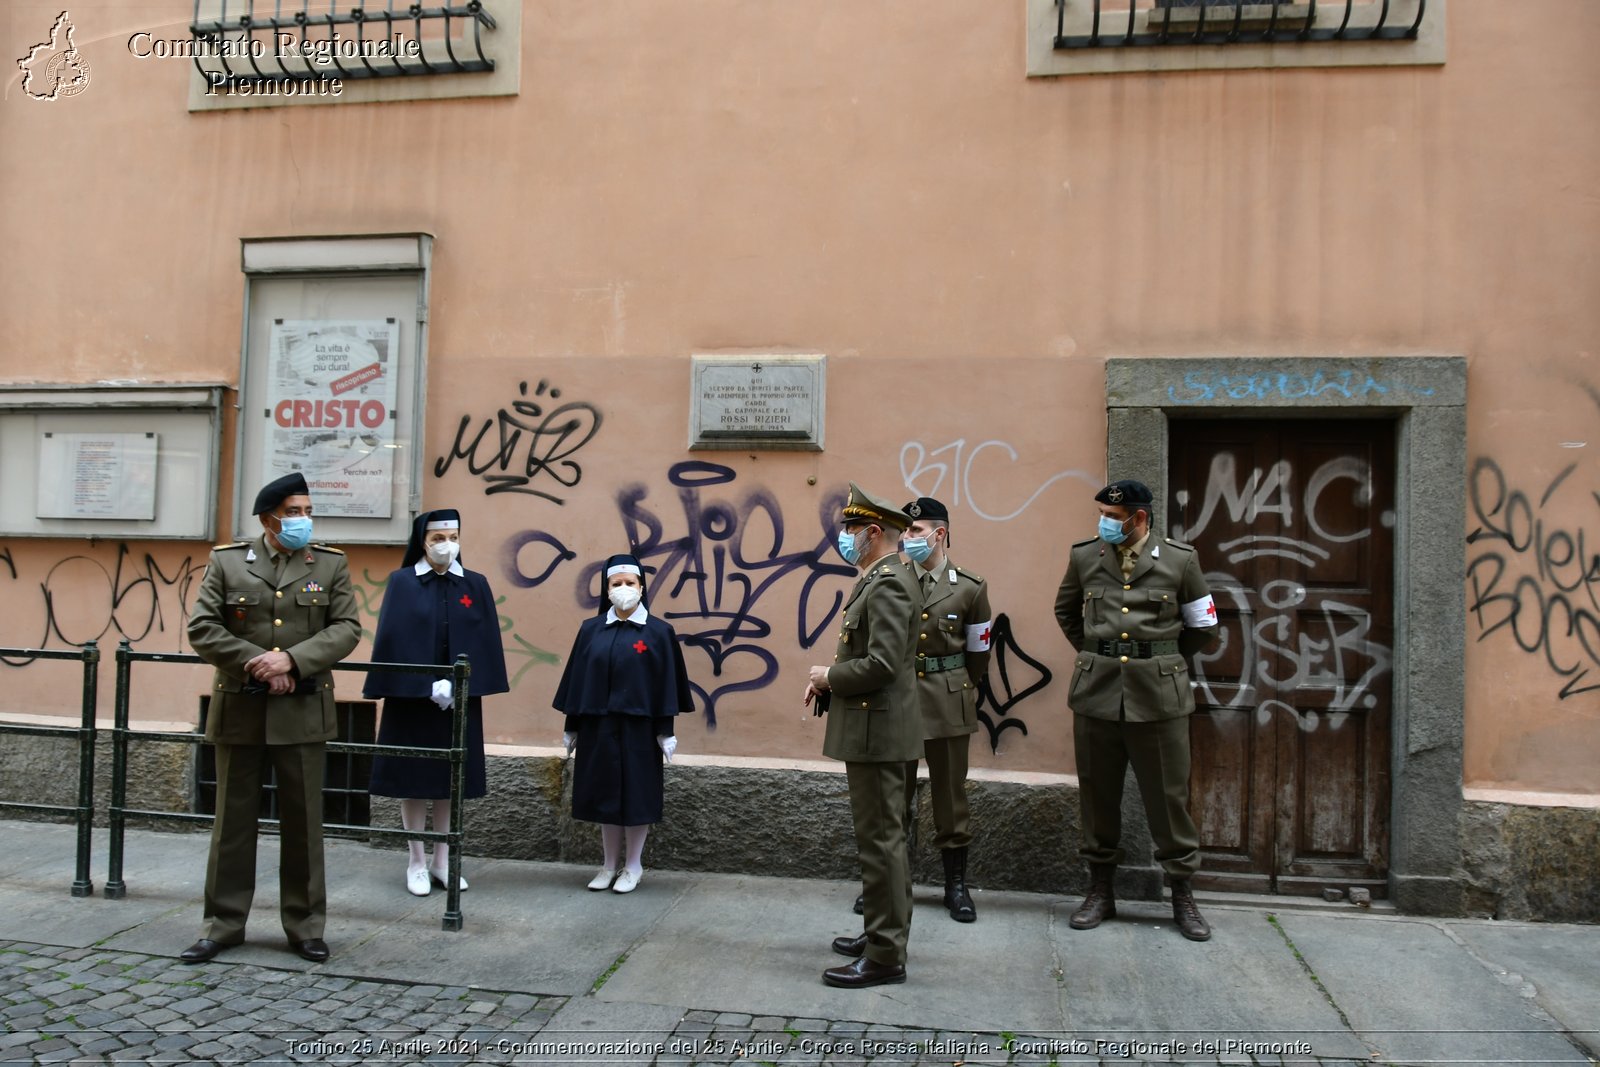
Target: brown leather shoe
column 863, row 973
column 1100, row 903
column 314, row 949
column 850, row 946
column 202, row 950
column 1186, row 913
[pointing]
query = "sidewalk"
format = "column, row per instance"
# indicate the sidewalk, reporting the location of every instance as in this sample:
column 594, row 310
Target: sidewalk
column 716, row 968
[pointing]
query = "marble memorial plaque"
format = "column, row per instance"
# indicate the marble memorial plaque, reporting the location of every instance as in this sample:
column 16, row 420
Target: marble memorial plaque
column 757, row 402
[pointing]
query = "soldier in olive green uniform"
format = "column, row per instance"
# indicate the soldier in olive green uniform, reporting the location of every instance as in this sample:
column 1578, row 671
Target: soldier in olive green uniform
column 874, row 726
column 952, row 657
column 272, row 616
column 1134, row 605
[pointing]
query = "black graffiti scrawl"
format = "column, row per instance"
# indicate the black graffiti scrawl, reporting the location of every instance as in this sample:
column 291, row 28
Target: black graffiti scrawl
column 1536, row 577
column 512, row 448
column 1008, row 694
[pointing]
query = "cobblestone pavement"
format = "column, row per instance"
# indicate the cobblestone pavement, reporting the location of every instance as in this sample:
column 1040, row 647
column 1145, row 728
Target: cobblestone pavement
column 77, row 1005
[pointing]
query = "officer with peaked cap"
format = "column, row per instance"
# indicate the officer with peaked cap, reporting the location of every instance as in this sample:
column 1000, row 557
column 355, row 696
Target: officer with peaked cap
column 952, row 657
column 272, row 615
column 1134, row 605
column 875, row 728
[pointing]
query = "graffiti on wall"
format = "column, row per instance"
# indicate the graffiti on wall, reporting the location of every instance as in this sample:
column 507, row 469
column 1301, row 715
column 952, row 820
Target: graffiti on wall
column 534, row 440
column 1201, row 388
column 1535, row 576
column 1294, row 637
column 952, row 473
column 1009, row 693
column 724, row 573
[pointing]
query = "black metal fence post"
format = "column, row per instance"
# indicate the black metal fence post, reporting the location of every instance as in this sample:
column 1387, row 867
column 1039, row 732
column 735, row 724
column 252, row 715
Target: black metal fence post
column 83, row 885
column 116, row 888
column 461, row 671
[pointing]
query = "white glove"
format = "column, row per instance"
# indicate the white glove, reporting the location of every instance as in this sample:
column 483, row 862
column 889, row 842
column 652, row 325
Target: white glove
column 669, row 745
column 570, row 740
column 442, row 693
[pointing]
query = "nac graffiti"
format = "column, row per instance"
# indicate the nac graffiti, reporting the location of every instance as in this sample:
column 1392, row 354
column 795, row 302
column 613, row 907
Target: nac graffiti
column 1004, row 643
column 1294, row 637
column 723, row 571
column 1535, row 576
column 512, row 448
column 1199, row 388
column 947, row 472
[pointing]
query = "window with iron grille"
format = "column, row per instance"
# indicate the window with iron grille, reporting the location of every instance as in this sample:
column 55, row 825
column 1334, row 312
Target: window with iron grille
column 255, row 53
column 1108, row 36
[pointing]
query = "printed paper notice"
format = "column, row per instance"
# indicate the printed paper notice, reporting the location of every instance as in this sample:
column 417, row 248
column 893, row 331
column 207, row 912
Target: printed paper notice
column 330, row 404
column 97, row 476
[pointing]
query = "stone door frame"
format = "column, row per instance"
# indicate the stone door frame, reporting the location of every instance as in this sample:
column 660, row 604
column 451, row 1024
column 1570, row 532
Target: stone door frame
column 1425, row 396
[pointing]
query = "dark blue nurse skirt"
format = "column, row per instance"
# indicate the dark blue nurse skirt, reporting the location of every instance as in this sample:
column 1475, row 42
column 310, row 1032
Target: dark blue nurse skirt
column 420, row 723
column 617, row 771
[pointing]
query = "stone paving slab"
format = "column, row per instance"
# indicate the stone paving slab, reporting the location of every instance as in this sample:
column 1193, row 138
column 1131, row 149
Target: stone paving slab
column 1415, row 997
column 1557, row 966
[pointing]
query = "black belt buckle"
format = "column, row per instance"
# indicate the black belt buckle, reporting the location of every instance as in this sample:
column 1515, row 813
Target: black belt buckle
column 1124, row 648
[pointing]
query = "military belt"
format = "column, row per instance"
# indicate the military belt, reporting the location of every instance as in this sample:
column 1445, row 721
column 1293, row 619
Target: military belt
column 934, row 664
column 1138, row 649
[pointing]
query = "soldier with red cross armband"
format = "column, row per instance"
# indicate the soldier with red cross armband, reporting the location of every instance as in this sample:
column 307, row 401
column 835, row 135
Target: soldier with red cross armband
column 1134, row 605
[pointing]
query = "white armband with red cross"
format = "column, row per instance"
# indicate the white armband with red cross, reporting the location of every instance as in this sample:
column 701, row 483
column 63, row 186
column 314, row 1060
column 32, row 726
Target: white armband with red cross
column 1200, row 614
column 978, row 637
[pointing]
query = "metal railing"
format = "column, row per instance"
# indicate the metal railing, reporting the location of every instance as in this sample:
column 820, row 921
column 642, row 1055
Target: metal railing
column 1225, row 22
column 248, row 38
column 459, row 673
column 83, row 810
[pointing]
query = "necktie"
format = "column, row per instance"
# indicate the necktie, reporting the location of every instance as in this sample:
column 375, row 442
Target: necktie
column 1129, row 558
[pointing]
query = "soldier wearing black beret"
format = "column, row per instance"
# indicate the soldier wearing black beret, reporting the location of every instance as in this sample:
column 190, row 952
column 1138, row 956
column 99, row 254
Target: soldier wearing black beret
column 272, row 615
column 1134, row 605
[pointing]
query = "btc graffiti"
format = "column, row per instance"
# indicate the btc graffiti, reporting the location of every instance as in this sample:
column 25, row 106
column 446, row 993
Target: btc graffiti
column 918, row 464
column 1534, row 576
column 558, row 435
column 1293, row 636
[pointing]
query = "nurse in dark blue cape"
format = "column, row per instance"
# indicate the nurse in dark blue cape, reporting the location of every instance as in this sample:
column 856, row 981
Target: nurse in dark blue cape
column 623, row 684
column 433, row 610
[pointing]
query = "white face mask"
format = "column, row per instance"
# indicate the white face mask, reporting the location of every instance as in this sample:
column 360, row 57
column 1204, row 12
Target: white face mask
column 625, row 598
column 443, row 553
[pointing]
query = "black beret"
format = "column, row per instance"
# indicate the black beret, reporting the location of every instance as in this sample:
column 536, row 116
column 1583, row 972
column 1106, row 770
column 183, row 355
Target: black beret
column 925, row 507
column 276, row 492
column 1126, row 493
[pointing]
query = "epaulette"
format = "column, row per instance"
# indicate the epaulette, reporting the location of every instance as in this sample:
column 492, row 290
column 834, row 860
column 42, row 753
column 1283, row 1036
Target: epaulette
column 887, row 568
column 329, row 548
column 1088, row 541
column 1178, row 544
column 229, row 544
column 966, row 573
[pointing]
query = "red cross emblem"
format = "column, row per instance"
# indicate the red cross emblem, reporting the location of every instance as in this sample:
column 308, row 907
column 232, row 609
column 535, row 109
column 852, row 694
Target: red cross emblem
column 985, row 637
column 639, row 646
column 466, row 601
column 1211, row 608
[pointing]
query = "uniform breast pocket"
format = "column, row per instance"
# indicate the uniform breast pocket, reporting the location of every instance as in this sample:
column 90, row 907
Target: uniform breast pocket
column 952, row 635
column 1093, row 601
column 314, row 607
column 1164, row 604
column 851, row 635
column 237, row 607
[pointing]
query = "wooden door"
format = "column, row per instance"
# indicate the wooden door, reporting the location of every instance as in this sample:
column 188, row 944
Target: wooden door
column 1294, row 523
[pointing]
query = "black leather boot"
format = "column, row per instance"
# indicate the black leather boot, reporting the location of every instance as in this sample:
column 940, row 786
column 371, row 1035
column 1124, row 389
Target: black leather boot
column 956, row 898
column 1186, row 913
column 1100, row 903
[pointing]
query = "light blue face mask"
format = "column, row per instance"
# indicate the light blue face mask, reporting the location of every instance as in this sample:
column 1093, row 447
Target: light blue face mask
column 917, row 548
column 847, row 547
column 294, row 531
column 1112, row 532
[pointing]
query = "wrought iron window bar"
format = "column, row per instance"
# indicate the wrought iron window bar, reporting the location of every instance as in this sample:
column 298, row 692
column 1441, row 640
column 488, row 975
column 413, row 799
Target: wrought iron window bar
column 231, row 40
column 1224, row 22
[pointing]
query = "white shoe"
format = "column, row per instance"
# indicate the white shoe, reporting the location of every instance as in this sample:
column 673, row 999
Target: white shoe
column 417, row 881
column 627, row 881
column 603, row 880
column 439, row 876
